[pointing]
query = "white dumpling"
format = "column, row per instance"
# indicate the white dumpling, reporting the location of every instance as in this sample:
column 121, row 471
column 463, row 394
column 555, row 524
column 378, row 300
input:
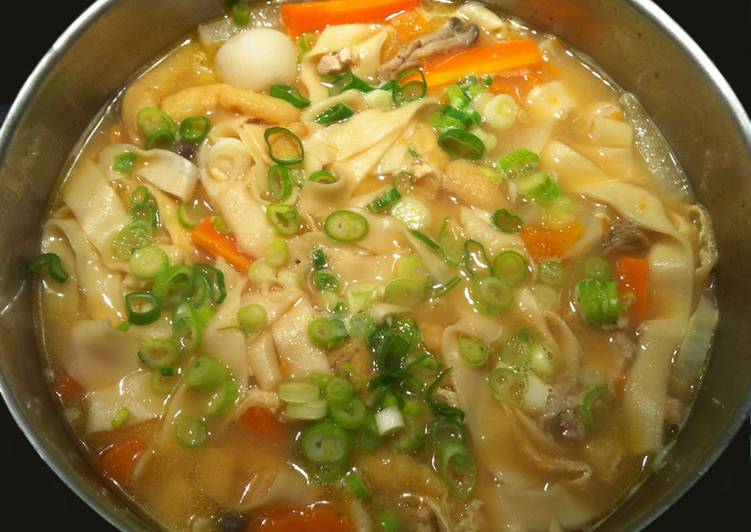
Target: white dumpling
column 256, row 59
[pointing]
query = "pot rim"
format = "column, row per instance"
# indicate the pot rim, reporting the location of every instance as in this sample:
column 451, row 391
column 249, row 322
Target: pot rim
column 647, row 8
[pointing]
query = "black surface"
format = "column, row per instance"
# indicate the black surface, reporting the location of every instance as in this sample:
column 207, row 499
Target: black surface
column 36, row 496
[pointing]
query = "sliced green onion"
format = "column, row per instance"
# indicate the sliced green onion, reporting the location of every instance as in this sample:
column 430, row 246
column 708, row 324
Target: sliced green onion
column 442, row 122
column 346, row 226
column 451, row 242
column 361, row 326
column 223, row 398
column 385, row 201
column 277, row 254
column 404, row 292
column 53, row 264
column 472, row 351
column 447, row 430
column 518, row 163
column 412, row 267
column 289, row 94
column 326, row 281
column 135, row 235
column 388, row 522
column 598, row 268
column 457, row 469
column 598, row 301
column 310, row 411
column 187, row 216
column 190, row 432
column 339, row 390
column 411, row 438
column 475, row 261
column 318, row 259
column 441, row 407
column 158, row 353
column 455, row 97
column 442, row 289
column 147, row 263
column 142, row 308
column 462, row 144
column 299, row 392
column 195, row 129
column 279, row 182
column 284, row 218
column 413, row 212
column 349, row 415
column 207, row 373
column 143, row 207
column 507, row 222
column 348, row 81
column 157, row 127
column 161, row 383
column 540, row 187
column 540, row 359
column 305, row 44
column 325, row 443
column 517, row 351
column 173, row 284
column 492, row 296
column 336, row 113
column 185, row 324
column 551, row 273
column 425, row 239
column 324, row 177
column 121, row 417
column 252, row 318
column 507, row 385
column 511, row 266
column 589, row 398
column 241, row 14
column 285, row 148
column 467, row 117
column 124, row 162
column 215, row 277
column 261, row 273
column 354, row 483
column 403, row 93
column 389, row 420
column 328, row 333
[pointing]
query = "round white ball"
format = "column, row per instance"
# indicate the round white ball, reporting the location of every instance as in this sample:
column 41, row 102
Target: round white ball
column 256, row 59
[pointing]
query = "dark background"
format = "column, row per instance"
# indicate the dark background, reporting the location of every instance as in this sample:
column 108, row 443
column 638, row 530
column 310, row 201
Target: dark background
column 40, row 501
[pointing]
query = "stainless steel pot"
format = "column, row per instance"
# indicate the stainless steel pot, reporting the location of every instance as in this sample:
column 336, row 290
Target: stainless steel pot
column 633, row 40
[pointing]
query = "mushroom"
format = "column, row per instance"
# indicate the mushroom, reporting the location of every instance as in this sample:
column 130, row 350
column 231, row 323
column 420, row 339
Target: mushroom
column 624, row 236
column 455, row 34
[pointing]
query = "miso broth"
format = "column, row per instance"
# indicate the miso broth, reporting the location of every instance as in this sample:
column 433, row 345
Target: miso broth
column 393, row 265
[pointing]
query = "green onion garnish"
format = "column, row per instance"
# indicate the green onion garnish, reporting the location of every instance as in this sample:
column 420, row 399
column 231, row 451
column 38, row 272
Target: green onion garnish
column 475, row 261
column 143, row 207
column 336, row 113
column 598, row 268
column 587, row 401
column 354, row 483
column 511, row 266
column 174, row 284
column 142, row 308
column 158, row 353
column 241, row 14
column 279, row 182
column 207, row 373
column 492, row 296
column 289, row 94
column 451, row 242
column 147, row 263
column 598, row 301
column 328, row 333
column 325, row 443
column 350, row 414
column 324, row 177
column 195, row 129
column 53, row 264
column 447, row 429
column 551, row 273
column 518, row 163
column 188, row 330
column 285, row 148
column 467, row 117
column 463, row 144
column 299, row 392
column 385, row 201
column 442, row 289
column 457, row 469
column 124, row 162
column 539, row 186
column 277, row 253
column 349, row 81
column 311, row 411
column 306, row 43
column 135, row 235
column 388, row 522
column 223, row 398
column 425, row 239
column 120, row 418
column 411, row 90
column 455, row 97
column 284, row 218
column 346, row 226
column 507, row 222
column 326, row 281
column 157, row 127
column 404, row 292
column 507, row 384
column 190, row 432
column 187, row 216
column 472, row 351
column 252, row 318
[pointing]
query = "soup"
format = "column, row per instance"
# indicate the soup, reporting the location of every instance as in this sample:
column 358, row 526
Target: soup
column 399, row 265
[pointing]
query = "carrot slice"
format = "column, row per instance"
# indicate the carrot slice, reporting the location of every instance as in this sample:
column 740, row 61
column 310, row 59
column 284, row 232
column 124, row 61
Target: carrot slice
column 543, row 243
column 317, row 519
column 411, row 24
column 633, row 276
column 206, row 237
column 492, row 59
column 119, row 460
column 263, row 424
column 313, row 16
column 69, row 389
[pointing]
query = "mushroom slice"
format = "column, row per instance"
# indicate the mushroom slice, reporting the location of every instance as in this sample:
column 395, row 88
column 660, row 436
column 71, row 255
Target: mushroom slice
column 624, row 236
column 455, row 34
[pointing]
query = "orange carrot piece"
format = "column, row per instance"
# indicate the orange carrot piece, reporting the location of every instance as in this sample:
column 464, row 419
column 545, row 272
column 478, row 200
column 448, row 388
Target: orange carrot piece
column 320, row 518
column 543, row 243
column 69, row 389
column 263, row 424
column 313, row 16
column 492, row 59
column 633, row 276
column 119, row 460
column 207, row 238
column 411, row 24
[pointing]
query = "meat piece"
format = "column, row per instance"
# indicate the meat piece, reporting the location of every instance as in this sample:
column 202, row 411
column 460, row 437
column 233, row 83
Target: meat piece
column 562, row 418
column 467, row 182
column 624, row 236
column 455, row 34
column 338, row 63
